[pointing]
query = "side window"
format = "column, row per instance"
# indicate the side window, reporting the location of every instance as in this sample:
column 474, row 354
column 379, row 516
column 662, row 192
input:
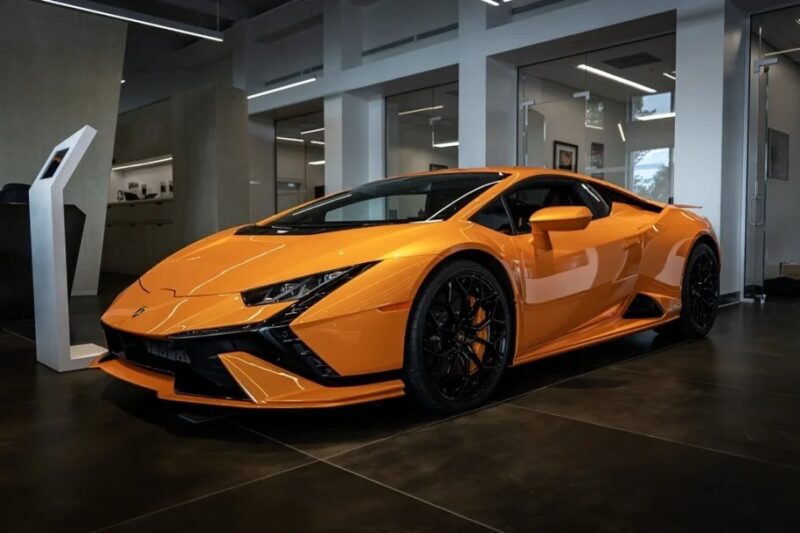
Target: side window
column 537, row 194
column 594, row 201
column 494, row 216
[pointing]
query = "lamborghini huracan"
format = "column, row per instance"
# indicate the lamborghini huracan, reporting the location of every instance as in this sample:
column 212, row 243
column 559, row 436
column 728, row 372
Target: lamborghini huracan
column 429, row 285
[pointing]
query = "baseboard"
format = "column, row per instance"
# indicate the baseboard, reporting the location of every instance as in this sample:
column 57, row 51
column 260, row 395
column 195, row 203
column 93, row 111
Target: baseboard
column 730, row 298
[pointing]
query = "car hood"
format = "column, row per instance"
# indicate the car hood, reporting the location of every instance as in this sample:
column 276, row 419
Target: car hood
column 229, row 263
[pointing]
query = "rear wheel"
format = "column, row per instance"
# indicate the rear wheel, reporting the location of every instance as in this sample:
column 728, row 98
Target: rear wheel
column 699, row 295
column 459, row 338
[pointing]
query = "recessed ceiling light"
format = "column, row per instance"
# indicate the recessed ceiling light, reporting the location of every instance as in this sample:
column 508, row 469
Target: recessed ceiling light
column 621, row 133
column 116, row 13
column 670, row 76
column 309, row 132
column 122, row 81
column 614, row 77
column 317, row 163
column 283, row 87
column 290, row 140
column 318, row 143
column 492, row 2
column 445, row 145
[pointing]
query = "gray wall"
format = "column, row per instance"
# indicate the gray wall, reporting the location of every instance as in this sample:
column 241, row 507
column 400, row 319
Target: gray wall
column 66, row 68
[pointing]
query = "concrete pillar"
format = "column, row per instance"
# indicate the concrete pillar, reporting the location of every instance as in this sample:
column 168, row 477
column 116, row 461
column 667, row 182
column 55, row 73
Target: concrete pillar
column 341, row 35
column 261, row 132
column 210, row 160
column 487, row 108
column 700, row 59
column 354, row 140
column 710, row 131
column 61, row 70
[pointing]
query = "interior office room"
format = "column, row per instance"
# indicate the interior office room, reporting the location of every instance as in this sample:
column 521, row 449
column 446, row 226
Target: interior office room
column 399, row 265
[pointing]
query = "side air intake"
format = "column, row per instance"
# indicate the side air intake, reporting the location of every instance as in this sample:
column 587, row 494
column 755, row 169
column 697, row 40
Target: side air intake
column 643, row 306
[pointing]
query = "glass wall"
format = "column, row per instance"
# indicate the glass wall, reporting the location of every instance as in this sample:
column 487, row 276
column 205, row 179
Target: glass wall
column 608, row 113
column 299, row 160
column 422, row 130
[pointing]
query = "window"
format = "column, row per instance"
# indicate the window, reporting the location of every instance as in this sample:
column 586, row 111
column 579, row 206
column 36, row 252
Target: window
column 299, row 160
column 651, row 106
column 494, row 216
column 422, row 130
column 396, row 201
column 651, row 173
column 610, row 103
column 536, row 195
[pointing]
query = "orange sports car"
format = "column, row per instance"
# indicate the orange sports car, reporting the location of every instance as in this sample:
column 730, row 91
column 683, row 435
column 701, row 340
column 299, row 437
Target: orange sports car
column 427, row 285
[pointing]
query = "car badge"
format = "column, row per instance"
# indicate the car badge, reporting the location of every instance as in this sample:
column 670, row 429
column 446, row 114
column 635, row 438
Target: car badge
column 139, row 311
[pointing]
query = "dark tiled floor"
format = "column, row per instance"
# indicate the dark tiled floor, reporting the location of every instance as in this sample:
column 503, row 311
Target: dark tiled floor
column 638, row 434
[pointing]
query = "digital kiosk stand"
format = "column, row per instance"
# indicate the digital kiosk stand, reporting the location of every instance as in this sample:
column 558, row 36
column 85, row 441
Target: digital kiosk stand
column 49, row 258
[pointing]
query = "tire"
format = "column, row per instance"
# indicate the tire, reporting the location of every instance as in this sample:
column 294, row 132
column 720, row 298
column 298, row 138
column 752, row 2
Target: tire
column 459, row 338
column 699, row 295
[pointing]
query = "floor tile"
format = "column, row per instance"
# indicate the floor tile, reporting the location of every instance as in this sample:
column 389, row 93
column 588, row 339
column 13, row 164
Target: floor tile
column 519, row 470
column 83, row 462
column 757, row 425
column 317, row 497
column 713, row 361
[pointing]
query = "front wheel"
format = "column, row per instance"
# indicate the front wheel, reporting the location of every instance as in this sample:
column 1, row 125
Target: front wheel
column 459, row 338
column 699, row 295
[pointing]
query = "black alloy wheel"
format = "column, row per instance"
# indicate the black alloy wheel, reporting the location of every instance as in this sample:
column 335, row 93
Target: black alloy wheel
column 699, row 294
column 459, row 338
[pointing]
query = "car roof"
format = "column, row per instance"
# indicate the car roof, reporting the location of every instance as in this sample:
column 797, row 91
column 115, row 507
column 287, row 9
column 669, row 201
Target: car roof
column 517, row 173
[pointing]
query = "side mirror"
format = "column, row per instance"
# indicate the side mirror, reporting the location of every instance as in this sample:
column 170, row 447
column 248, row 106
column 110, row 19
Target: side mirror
column 562, row 218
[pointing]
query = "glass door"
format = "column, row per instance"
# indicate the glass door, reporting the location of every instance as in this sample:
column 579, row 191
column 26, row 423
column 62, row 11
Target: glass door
column 756, row 233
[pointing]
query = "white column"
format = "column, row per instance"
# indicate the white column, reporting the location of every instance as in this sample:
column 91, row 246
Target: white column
column 700, row 58
column 487, row 117
column 354, row 152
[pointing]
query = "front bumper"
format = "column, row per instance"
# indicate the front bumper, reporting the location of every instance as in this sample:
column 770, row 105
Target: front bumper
column 255, row 377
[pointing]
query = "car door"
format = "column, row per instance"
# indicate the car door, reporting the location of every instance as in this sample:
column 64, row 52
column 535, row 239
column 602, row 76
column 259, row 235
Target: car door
column 586, row 275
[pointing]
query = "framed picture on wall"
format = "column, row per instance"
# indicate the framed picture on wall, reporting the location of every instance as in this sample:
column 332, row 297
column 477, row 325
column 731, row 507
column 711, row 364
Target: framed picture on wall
column 565, row 156
column 778, row 155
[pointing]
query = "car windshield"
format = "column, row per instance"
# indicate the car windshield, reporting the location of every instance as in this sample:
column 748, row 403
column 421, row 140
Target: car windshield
column 394, row 201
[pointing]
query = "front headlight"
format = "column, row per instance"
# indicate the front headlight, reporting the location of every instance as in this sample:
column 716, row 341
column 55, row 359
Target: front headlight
column 296, row 289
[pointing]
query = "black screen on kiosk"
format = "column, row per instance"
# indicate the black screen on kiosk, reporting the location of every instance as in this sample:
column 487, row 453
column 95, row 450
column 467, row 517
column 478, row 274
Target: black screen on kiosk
column 58, row 157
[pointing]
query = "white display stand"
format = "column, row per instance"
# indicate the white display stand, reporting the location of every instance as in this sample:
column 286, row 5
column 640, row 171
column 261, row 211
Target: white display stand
column 49, row 258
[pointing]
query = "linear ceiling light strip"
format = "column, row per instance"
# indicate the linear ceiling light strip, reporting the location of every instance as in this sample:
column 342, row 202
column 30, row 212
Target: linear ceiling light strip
column 138, row 18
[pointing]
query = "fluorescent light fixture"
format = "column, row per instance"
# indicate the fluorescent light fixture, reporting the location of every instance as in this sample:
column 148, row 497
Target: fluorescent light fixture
column 420, row 110
column 143, row 164
column 309, row 132
column 492, row 3
column 283, row 87
column 445, row 145
column 318, row 143
column 290, row 140
column 670, row 76
column 317, row 163
column 656, row 116
column 779, row 52
column 122, row 14
column 592, row 126
column 621, row 133
column 618, row 79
